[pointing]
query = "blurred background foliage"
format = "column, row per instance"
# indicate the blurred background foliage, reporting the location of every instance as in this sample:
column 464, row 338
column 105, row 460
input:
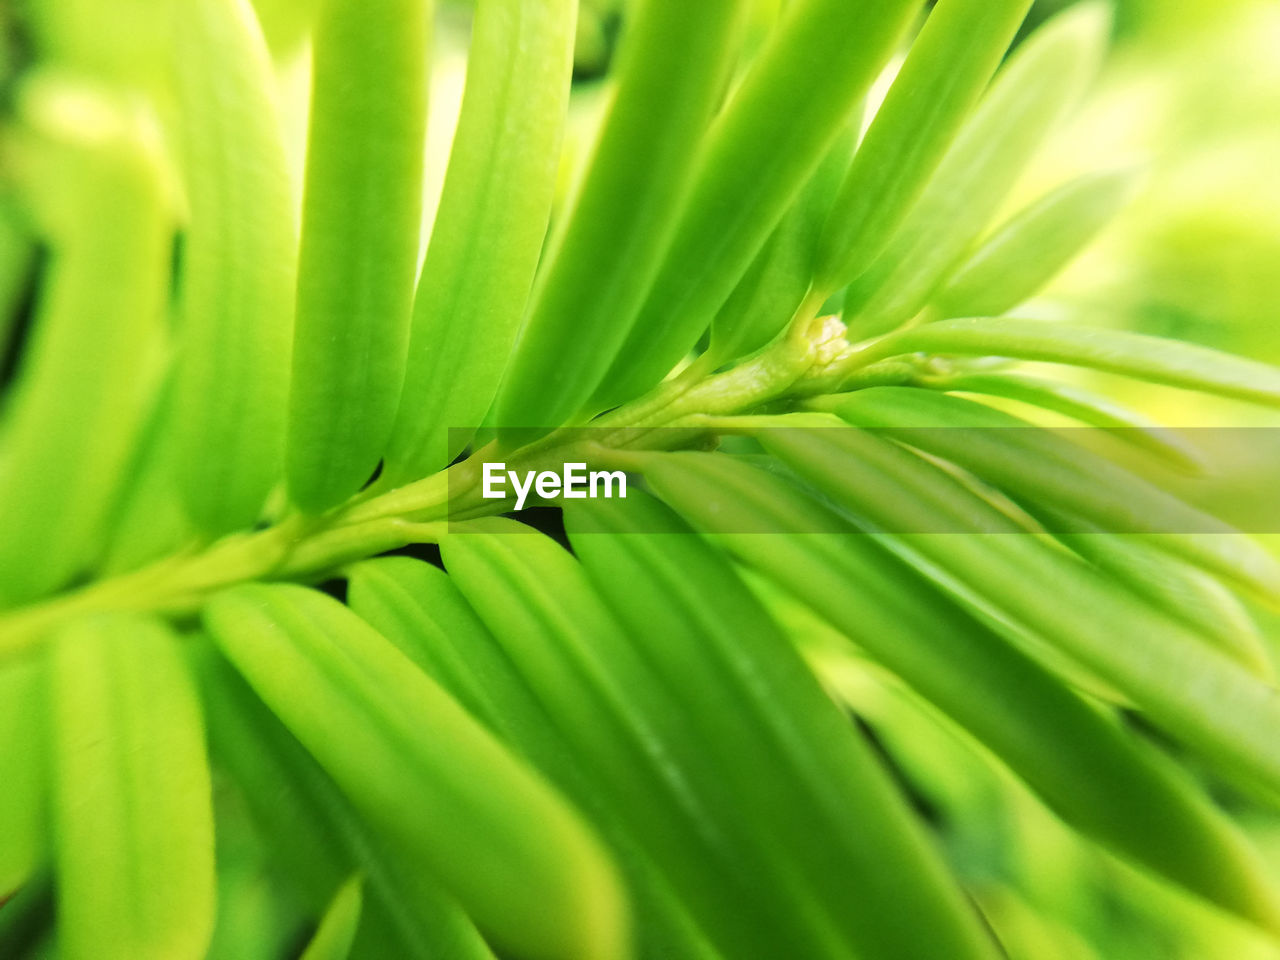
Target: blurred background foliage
column 1192, row 97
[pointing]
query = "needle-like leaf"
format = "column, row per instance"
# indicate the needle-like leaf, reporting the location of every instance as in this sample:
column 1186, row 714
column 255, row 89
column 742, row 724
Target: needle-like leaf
column 132, row 807
column 775, row 284
column 620, row 715
column 420, row 608
column 1192, row 689
column 745, row 183
column 948, row 67
column 315, row 838
column 1038, row 466
column 796, row 767
column 1079, row 404
column 361, row 216
column 1025, row 253
column 1134, row 355
column 1093, row 774
column 489, row 229
column 77, row 406
column 337, row 931
column 675, row 62
column 476, row 817
column 238, row 266
column 1043, row 78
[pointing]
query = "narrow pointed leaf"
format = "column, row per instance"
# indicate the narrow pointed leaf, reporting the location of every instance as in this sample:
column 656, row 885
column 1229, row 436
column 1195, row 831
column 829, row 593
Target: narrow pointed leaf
column 238, row 266
column 1025, row 253
column 1135, row 355
column 361, row 216
column 1198, row 599
column 1079, row 404
column 481, row 821
column 674, row 64
column 797, row 768
column 337, row 931
column 1098, row 778
column 315, row 838
column 949, row 66
column 419, row 608
column 79, row 398
column 1039, row 466
column 132, row 809
column 625, row 721
column 1045, row 76
column 489, row 229
column 1196, row 692
column 775, row 284
column 745, row 182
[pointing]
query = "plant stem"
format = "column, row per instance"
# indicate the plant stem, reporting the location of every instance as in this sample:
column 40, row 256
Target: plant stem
column 309, row 549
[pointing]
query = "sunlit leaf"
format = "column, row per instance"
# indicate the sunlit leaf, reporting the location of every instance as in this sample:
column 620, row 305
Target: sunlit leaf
column 477, row 818
column 798, row 770
column 359, row 251
column 421, row 609
column 76, row 408
column 674, row 63
column 949, row 65
column 314, row 837
column 1043, row 78
column 337, row 930
column 1195, row 691
column 1093, row 774
column 1024, row 254
column 238, row 266
column 489, row 230
column 745, row 183
column 132, row 812
column 1135, row 355
column 1044, row 467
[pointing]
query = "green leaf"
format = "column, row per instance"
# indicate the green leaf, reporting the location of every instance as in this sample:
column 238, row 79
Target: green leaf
column 477, row 818
column 132, row 810
column 1038, row 466
column 630, row 729
column 745, row 181
column 238, row 271
column 1193, row 690
column 420, row 609
column 1077, row 403
column 1087, row 768
column 1024, row 254
column 798, row 770
column 315, row 839
column 950, row 64
column 361, row 217
column 24, row 841
column 1199, row 600
column 775, row 284
column 82, row 160
column 337, row 930
column 675, row 61
column 1135, row 355
column 489, row 229
column 1033, row 91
